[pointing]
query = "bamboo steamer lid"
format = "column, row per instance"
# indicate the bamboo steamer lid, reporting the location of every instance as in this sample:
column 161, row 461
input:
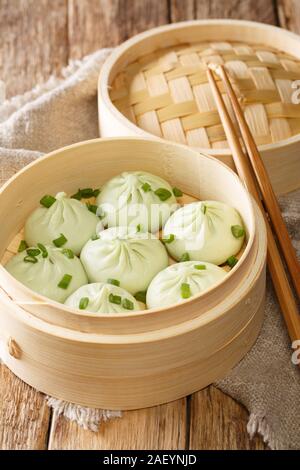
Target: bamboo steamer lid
column 167, row 93
column 157, row 82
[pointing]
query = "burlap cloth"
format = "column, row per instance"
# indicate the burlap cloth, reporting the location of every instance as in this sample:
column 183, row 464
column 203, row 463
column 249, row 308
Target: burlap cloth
column 64, row 111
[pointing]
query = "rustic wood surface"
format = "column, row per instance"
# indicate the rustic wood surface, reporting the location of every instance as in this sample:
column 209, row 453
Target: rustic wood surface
column 37, row 38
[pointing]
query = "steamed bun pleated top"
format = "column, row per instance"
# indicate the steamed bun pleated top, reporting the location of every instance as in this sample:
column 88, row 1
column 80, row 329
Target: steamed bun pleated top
column 136, row 198
column 129, row 256
column 53, row 272
column 181, row 281
column 206, row 231
column 102, row 298
column 61, row 218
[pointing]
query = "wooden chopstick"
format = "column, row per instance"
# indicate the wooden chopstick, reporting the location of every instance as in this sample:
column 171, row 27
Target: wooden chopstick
column 281, row 284
column 264, row 184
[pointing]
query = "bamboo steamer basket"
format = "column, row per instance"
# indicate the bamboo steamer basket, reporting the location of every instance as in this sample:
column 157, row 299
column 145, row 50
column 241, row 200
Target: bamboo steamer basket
column 155, row 84
column 138, row 359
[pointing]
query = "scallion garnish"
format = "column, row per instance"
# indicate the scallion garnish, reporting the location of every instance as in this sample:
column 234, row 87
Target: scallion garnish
column 60, row 241
column 200, row 267
column 83, row 303
column 43, row 250
column 68, row 253
column 184, row 257
column 114, row 282
column 146, row 187
column 141, row 296
column 23, row 246
column 163, row 194
column 92, row 207
column 169, row 239
column 203, row 208
column 115, row 299
column 77, row 195
column 85, row 193
column 185, row 290
column 30, row 259
column 47, row 201
column 65, row 281
column 177, row 192
column 33, row 252
column 126, row 303
column 232, row 260
column 237, row 231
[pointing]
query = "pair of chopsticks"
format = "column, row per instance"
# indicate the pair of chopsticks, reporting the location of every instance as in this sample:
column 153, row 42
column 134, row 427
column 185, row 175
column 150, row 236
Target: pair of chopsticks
column 252, row 172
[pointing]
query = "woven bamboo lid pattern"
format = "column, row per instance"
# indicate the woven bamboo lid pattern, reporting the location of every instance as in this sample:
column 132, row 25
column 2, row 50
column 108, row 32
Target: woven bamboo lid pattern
column 167, row 94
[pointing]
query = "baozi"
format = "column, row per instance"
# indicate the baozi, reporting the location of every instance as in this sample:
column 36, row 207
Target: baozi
column 181, row 281
column 208, row 231
column 49, row 271
column 125, row 254
column 136, row 198
column 66, row 222
column 102, row 298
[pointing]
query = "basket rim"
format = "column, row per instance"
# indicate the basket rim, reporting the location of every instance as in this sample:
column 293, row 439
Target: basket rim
column 138, row 313
column 116, row 54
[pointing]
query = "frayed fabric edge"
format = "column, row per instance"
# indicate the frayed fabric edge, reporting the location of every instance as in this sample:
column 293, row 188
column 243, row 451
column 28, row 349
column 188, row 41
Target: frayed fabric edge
column 258, row 424
column 87, row 418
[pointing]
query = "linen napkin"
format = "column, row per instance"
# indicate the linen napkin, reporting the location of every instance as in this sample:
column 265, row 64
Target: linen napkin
column 64, row 111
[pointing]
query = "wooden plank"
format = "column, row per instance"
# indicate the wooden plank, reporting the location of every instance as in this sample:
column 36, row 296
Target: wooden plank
column 202, row 9
column 289, row 14
column 160, row 427
column 218, row 422
column 104, row 23
column 24, row 415
column 33, row 42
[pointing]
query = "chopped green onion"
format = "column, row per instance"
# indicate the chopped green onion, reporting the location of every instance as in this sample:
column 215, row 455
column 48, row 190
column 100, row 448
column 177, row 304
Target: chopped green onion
column 95, row 237
column 237, row 231
column 86, row 193
column 138, row 228
column 146, row 187
column 65, row 281
column 84, row 301
column 33, row 252
column 141, row 296
column 92, row 207
column 30, row 259
column 232, row 260
column 22, row 247
column 47, row 200
column 68, row 253
column 115, row 299
column 163, row 194
column 114, row 282
column 203, row 208
column 60, row 241
column 200, row 267
column 127, row 304
column 177, row 192
column 77, row 195
column 43, row 250
column 184, row 257
column 169, row 239
column 185, row 291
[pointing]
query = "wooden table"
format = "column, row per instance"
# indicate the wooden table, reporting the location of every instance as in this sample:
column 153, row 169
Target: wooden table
column 37, row 38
